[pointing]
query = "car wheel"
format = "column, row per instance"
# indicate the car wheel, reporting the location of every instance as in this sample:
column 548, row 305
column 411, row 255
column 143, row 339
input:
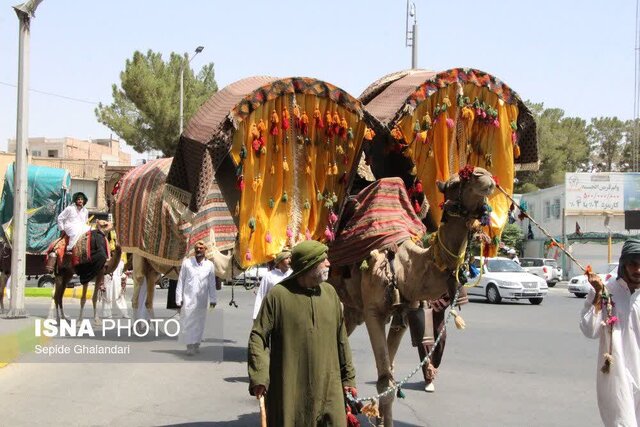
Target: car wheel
column 164, row 283
column 493, row 296
column 551, row 284
column 580, row 295
column 46, row 282
column 535, row 301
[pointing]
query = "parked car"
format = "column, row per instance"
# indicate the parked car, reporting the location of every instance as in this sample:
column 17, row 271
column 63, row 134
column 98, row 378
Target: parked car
column 48, row 281
column 503, row 278
column 579, row 285
column 251, row 277
column 545, row 268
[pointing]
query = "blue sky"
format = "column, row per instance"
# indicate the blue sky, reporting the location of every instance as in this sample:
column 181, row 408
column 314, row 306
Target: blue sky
column 574, row 55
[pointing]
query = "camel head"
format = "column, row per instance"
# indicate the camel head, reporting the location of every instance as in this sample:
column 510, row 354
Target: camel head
column 104, row 226
column 465, row 193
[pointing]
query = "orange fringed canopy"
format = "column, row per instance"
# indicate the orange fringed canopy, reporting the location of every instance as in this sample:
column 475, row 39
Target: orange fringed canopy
column 441, row 122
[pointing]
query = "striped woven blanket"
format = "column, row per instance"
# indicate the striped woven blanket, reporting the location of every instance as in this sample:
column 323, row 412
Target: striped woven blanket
column 151, row 218
column 381, row 216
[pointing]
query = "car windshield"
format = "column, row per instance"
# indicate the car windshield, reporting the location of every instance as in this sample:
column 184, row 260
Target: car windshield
column 550, row 262
column 503, row 266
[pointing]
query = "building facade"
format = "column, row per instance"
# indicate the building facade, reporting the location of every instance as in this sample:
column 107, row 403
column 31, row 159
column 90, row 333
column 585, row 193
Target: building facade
column 107, row 150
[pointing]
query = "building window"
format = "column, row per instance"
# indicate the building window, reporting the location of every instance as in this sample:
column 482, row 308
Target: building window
column 36, row 153
column 547, row 210
column 52, row 153
column 555, row 209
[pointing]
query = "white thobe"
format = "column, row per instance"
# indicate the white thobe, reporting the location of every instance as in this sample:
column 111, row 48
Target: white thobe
column 267, row 283
column 114, row 293
column 195, row 290
column 73, row 222
column 619, row 390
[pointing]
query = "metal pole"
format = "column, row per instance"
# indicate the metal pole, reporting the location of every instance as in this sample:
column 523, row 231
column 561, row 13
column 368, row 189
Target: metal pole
column 181, row 97
column 414, row 47
column 609, row 247
column 564, row 243
column 19, row 244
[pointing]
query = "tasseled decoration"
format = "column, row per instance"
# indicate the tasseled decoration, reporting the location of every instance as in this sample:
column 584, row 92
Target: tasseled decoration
column 496, row 180
column 408, row 153
column 239, row 170
column 243, row 152
column 333, row 218
column 416, row 206
column 334, row 169
column 344, row 125
column 273, row 169
column 422, row 137
column 514, row 137
column 364, row 265
column 237, row 210
column 307, row 234
column 488, row 159
column 300, row 140
column 418, row 186
column 371, row 409
column 467, row 114
column 339, row 149
column 396, row 133
column 450, row 123
column 350, row 136
column 496, row 123
column 247, row 255
column 253, row 131
column 256, row 145
column 329, row 170
column 516, row 151
column 285, row 119
column 426, row 122
column 608, row 361
column 262, row 127
column 369, row 134
column 308, row 169
column 319, row 196
column 285, row 165
column 336, row 123
column 289, row 233
column 352, row 420
column 446, row 102
column 306, row 205
column 304, row 123
column 459, row 321
column 275, row 120
column 267, row 237
column 254, row 184
column 328, row 234
column 240, row 183
column 514, row 125
column 414, row 171
column 285, row 197
column 329, row 123
column 400, row 393
column 416, row 126
column 296, row 117
column 252, row 224
column 317, row 118
column 272, row 202
column 495, row 241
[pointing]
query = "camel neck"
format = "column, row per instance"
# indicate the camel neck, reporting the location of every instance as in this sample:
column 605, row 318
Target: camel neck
column 453, row 235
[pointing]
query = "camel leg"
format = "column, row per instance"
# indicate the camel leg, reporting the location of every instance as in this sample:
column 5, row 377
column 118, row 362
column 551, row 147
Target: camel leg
column 99, row 284
column 61, row 281
column 376, row 329
column 394, row 338
column 83, row 298
column 152, row 277
column 138, row 265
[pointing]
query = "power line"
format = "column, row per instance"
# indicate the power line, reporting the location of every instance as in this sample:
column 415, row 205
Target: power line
column 69, row 98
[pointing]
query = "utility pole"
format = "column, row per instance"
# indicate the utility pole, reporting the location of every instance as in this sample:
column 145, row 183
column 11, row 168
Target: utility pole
column 25, row 12
column 184, row 64
column 411, row 35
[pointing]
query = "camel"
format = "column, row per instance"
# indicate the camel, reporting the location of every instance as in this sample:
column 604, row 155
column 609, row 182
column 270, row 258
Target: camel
column 64, row 271
column 420, row 274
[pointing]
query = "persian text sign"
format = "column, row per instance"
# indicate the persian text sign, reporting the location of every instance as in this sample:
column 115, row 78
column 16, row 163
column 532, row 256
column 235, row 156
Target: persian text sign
column 594, row 192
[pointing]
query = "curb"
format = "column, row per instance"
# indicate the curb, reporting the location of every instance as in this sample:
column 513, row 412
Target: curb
column 76, row 293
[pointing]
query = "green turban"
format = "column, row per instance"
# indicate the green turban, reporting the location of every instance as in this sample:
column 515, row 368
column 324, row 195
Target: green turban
column 630, row 249
column 307, row 255
column 282, row 256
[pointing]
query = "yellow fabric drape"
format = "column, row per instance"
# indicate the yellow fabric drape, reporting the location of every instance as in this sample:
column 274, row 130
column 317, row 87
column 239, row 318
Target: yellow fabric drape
column 311, row 166
column 442, row 153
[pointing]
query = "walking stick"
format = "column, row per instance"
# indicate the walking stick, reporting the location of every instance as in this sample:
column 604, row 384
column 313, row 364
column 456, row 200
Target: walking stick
column 263, row 412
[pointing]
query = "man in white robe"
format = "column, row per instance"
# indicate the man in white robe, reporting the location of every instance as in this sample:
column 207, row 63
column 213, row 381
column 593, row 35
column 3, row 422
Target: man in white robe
column 280, row 272
column 195, row 291
column 618, row 389
column 73, row 219
column 115, row 285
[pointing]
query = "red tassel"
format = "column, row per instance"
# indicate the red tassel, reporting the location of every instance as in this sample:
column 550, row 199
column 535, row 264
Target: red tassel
column 418, row 186
column 352, row 421
column 241, row 183
column 332, row 218
column 328, row 234
column 248, row 256
column 416, row 206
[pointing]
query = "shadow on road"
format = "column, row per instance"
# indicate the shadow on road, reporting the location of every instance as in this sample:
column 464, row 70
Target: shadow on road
column 237, row 380
column 242, row 421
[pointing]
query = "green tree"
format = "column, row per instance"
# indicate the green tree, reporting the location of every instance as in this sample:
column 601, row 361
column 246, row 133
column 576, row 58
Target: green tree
column 630, row 156
column 606, row 138
column 562, row 147
column 513, row 237
column 145, row 111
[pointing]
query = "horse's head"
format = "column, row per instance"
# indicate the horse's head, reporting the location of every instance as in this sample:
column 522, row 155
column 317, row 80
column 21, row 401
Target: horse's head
column 465, row 193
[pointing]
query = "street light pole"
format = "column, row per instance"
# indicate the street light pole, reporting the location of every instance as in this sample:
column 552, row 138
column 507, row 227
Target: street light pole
column 184, row 64
column 25, row 12
column 411, row 36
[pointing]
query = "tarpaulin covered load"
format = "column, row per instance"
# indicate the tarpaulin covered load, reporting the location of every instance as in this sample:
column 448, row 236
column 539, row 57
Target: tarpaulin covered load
column 151, row 221
column 440, row 122
column 47, row 196
column 284, row 152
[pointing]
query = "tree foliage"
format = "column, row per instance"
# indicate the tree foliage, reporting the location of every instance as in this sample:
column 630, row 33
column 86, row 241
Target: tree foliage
column 606, row 140
column 145, row 111
column 513, row 237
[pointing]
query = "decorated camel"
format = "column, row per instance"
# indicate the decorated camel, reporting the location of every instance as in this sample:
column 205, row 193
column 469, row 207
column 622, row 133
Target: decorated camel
column 154, row 225
column 91, row 259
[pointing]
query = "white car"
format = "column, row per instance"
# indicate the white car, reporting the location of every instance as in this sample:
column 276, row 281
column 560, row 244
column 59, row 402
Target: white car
column 251, row 277
column 546, row 268
column 579, row 286
column 503, row 278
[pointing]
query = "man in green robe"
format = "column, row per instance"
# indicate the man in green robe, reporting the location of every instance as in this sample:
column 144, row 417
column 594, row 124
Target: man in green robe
column 299, row 355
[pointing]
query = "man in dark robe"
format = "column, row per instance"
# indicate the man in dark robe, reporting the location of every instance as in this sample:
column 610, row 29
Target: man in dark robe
column 299, row 356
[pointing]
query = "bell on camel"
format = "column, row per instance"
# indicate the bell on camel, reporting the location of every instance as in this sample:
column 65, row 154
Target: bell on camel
column 395, row 299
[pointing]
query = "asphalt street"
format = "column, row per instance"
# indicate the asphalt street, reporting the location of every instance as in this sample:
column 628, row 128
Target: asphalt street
column 514, row 365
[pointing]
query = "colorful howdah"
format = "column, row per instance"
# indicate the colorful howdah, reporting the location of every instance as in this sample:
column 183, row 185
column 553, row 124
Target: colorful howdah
column 152, row 221
column 439, row 123
column 283, row 151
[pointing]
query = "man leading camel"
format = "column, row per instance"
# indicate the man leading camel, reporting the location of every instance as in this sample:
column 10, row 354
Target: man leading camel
column 299, row 355
column 73, row 219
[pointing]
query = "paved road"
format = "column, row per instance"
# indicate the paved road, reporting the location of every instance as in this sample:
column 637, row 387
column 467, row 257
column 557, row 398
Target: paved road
column 515, row 365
